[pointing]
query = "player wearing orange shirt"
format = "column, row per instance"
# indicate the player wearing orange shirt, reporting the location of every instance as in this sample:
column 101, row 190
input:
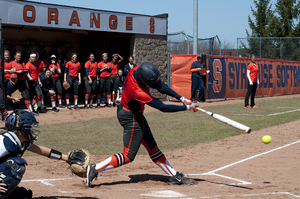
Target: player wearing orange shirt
column 116, row 60
column 8, row 69
column 136, row 93
column 39, row 64
column 33, row 84
column 252, row 72
column 73, row 77
column 90, row 80
column 56, row 71
column 104, row 70
column 22, row 83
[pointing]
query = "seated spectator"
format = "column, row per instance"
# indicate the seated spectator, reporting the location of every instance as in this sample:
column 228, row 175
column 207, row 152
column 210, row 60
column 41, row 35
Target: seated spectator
column 11, row 87
column 47, row 87
column 129, row 66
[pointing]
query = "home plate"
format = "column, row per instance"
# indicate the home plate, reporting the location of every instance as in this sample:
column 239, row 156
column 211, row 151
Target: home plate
column 163, row 194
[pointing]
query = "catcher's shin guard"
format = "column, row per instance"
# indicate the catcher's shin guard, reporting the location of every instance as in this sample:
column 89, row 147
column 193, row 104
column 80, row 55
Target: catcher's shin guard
column 12, row 173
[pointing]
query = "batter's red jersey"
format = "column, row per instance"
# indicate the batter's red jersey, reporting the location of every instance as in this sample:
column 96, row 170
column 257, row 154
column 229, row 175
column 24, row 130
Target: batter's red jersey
column 104, row 73
column 32, row 70
column 7, row 66
column 114, row 68
column 19, row 67
column 134, row 97
column 39, row 65
column 73, row 68
column 253, row 71
column 92, row 66
column 56, row 67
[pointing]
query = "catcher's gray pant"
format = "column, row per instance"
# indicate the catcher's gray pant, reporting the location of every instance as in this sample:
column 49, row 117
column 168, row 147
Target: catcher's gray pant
column 91, row 88
column 73, row 81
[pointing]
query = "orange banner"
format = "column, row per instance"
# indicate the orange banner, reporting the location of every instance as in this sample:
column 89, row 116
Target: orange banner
column 228, row 76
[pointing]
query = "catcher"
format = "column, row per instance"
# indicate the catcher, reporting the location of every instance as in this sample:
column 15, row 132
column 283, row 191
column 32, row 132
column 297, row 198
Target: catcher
column 22, row 131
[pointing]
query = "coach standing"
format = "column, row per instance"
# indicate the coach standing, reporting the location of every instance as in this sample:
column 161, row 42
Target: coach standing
column 253, row 81
column 197, row 80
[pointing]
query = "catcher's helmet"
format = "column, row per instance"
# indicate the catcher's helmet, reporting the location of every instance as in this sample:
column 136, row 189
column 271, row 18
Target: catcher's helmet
column 24, row 122
column 148, row 74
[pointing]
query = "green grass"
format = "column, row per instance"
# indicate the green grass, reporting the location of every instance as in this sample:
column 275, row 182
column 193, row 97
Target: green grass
column 170, row 130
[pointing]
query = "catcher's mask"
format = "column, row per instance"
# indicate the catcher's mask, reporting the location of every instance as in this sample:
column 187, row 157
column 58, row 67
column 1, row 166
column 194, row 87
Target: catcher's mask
column 24, row 122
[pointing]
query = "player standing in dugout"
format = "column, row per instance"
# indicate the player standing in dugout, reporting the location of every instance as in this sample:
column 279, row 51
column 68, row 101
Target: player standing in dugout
column 90, row 80
column 136, row 93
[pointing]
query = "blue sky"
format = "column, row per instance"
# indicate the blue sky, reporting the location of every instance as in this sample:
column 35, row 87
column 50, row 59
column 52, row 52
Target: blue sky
column 226, row 18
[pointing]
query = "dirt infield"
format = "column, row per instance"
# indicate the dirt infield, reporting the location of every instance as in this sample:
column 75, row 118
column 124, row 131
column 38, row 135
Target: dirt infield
column 234, row 167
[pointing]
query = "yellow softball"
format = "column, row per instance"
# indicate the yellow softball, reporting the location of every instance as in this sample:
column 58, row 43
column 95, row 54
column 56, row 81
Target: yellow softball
column 266, row 139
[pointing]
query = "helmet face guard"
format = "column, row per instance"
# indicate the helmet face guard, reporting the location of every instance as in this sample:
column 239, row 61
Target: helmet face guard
column 24, row 122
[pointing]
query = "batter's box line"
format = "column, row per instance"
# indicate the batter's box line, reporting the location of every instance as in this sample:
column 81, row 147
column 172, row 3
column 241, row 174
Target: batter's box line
column 46, row 181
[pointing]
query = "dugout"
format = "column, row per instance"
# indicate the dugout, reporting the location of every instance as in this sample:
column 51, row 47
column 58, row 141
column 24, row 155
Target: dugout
column 63, row 30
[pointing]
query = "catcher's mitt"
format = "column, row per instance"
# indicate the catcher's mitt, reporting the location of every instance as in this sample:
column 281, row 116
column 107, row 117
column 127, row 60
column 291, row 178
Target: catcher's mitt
column 78, row 160
column 66, row 85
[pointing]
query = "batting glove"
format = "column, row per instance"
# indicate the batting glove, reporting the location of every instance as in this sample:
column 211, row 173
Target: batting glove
column 185, row 101
column 192, row 107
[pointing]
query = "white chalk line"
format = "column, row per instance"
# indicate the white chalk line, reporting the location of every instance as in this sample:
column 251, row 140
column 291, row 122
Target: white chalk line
column 283, row 112
column 255, row 194
column 46, row 181
column 241, row 182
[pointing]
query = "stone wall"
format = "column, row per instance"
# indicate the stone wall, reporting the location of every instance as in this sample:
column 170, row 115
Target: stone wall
column 150, row 48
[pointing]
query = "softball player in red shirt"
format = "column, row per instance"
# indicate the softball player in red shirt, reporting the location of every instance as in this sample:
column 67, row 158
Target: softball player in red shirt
column 56, row 71
column 22, row 83
column 33, row 83
column 252, row 72
column 73, row 77
column 90, row 80
column 136, row 94
column 104, row 70
column 116, row 60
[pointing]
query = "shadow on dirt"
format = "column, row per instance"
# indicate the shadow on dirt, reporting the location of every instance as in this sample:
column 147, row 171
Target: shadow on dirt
column 142, row 178
column 67, row 197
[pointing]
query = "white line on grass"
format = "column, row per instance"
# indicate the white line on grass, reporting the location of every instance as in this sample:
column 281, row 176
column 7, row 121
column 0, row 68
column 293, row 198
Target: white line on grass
column 283, row 112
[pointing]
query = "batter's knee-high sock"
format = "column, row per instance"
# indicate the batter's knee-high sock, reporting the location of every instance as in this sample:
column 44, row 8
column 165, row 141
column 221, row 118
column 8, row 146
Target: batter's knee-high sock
column 27, row 103
column 108, row 98
column 59, row 97
column 75, row 99
column 4, row 113
column 98, row 98
column 53, row 101
column 114, row 161
column 86, row 99
column 91, row 98
column 159, row 159
column 68, row 98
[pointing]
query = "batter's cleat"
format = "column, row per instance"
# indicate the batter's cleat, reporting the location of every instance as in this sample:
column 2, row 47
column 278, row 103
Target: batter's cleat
column 69, row 106
column 91, row 173
column 180, row 179
column 91, row 106
column 54, row 109
column 76, row 107
column 85, row 106
column 35, row 113
column 98, row 106
column 247, row 106
column 61, row 106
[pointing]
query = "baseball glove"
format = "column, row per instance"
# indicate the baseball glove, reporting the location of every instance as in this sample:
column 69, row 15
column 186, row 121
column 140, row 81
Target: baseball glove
column 78, row 160
column 66, row 85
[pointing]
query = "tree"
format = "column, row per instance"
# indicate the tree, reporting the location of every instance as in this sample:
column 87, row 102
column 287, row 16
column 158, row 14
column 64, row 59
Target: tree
column 261, row 26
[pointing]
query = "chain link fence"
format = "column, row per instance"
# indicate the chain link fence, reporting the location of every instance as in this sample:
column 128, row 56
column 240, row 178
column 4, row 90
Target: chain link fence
column 285, row 48
column 181, row 43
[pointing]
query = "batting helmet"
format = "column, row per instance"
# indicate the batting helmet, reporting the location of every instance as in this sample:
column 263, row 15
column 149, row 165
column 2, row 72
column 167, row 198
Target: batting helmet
column 24, row 122
column 148, row 74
